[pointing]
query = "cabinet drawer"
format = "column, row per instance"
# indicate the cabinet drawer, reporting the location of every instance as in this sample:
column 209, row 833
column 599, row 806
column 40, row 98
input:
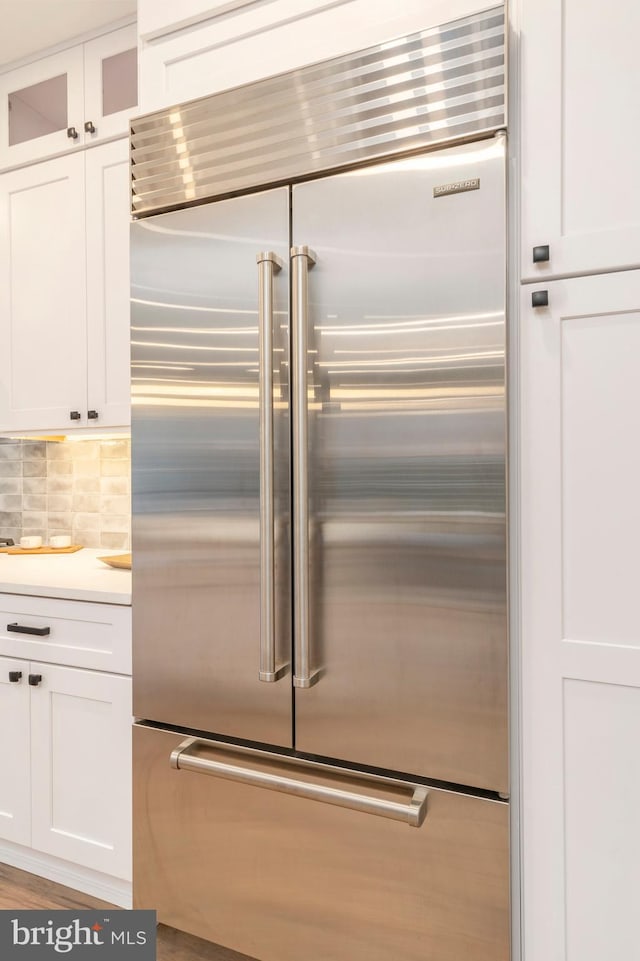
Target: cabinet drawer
column 94, row 636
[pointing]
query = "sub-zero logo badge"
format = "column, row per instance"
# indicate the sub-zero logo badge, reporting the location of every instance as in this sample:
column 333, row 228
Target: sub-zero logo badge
column 459, row 187
column 38, row 935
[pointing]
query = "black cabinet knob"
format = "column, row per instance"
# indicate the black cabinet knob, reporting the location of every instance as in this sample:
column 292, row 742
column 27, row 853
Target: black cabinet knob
column 34, row 679
column 92, row 414
column 541, row 254
column 540, row 298
column 74, row 415
column 14, row 676
column 89, row 127
column 72, row 133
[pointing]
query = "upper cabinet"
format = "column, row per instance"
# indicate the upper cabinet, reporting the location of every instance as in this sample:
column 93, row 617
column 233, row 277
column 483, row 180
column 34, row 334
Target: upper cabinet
column 232, row 42
column 79, row 96
column 580, row 137
column 64, row 292
column 110, row 84
column 159, row 17
column 41, row 105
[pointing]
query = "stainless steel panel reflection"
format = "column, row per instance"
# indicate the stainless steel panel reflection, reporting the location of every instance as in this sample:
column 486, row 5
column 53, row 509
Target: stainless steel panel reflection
column 435, row 85
column 284, row 878
column 196, row 468
column 406, row 450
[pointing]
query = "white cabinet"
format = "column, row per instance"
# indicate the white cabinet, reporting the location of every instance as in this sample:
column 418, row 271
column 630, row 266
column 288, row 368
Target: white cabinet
column 41, row 105
column 580, row 116
column 81, row 767
column 64, row 342
column 158, row 17
column 244, row 41
column 108, row 289
column 580, row 470
column 67, row 99
column 75, row 633
column 65, row 733
column 42, row 295
column 65, row 745
column 110, row 84
column 15, row 781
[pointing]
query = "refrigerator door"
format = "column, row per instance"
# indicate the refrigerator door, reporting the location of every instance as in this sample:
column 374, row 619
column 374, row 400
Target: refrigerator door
column 220, row 851
column 211, row 529
column 400, row 641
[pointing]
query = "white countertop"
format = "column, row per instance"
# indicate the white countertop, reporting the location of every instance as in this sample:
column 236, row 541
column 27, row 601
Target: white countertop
column 77, row 577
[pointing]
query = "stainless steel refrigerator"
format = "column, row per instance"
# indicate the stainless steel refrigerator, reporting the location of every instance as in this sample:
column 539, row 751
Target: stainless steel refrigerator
column 319, row 537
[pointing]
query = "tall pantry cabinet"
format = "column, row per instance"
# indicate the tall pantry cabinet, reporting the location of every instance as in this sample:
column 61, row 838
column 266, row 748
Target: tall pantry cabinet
column 64, row 237
column 580, row 474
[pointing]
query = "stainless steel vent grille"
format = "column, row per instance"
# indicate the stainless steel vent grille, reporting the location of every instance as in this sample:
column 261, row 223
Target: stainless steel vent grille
column 439, row 85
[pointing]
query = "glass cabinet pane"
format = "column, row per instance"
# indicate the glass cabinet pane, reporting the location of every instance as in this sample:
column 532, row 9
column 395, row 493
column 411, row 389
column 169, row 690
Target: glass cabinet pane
column 119, row 82
column 38, row 110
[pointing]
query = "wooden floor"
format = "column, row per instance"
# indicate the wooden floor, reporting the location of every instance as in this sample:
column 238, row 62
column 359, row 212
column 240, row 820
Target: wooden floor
column 21, row 890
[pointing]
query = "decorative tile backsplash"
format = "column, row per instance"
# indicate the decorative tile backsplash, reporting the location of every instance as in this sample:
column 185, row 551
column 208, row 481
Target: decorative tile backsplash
column 76, row 487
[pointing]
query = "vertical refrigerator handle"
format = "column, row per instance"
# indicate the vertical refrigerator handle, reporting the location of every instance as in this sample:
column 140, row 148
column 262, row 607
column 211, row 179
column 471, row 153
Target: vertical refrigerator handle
column 268, row 265
column 302, row 259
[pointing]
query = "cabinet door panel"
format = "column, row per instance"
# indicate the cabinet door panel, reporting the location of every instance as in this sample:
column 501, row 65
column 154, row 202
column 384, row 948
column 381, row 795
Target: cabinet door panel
column 256, row 40
column 107, row 173
column 38, row 103
column 15, row 782
column 42, row 295
column 579, row 136
column 158, row 17
column 81, row 767
column 111, row 82
column 580, row 473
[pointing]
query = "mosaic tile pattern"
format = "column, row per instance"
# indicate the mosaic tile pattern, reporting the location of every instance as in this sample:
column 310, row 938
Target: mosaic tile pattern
column 81, row 488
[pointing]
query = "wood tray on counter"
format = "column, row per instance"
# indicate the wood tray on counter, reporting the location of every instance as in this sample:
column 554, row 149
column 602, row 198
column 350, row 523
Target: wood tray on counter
column 121, row 561
column 41, row 550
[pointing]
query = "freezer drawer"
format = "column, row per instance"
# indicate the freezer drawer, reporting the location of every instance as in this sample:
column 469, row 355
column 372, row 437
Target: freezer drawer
column 281, row 876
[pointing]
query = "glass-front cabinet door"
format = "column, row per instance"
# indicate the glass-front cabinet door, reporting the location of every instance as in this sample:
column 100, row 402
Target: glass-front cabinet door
column 77, row 97
column 41, row 108
column 111, row 83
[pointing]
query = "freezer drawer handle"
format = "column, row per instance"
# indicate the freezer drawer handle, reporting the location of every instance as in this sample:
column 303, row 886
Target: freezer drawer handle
column 302, row 259
column 413, row 813
column 16, row 628
column 268, row 265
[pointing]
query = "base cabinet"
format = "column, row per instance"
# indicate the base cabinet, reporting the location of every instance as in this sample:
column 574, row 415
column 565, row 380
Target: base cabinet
column 15, row 781
column 65, row 738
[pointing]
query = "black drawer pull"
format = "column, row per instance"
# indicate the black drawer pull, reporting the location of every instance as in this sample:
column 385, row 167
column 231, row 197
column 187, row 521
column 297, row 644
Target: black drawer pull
column 14, row 676
column 19, row 629
column 541, row 254
column 34, row 679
